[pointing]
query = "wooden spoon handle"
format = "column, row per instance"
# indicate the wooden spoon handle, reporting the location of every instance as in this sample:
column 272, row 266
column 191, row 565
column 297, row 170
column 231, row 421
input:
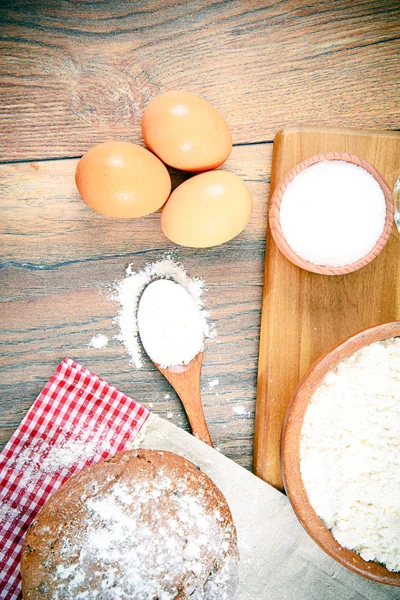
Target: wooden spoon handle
column 186, row 383
column 195, row 414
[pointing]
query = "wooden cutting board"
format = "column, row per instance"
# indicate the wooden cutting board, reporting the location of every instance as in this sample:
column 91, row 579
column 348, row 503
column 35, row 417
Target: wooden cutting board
column 304, row 314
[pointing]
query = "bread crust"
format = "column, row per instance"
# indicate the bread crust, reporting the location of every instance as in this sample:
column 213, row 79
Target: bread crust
column 144, row 524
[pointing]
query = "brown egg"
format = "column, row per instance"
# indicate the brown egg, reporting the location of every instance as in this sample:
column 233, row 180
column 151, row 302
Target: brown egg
column 120, row 179
column 186, row 132
column 207, row 210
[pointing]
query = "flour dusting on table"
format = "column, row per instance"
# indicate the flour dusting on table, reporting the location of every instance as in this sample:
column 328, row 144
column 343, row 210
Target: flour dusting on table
column 98, row 341
column 239, row 410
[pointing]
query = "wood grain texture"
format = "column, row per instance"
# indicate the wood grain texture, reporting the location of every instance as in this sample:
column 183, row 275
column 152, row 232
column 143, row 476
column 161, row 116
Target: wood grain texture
column 75, row 73
column 304, row 314
column 59, row 260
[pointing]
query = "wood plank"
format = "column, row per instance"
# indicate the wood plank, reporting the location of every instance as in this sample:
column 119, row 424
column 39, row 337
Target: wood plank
column 305, row 314
column 74, row 74
column 58, row 262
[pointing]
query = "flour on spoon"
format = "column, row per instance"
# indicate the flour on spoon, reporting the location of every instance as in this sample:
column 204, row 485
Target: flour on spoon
column 170, row 324
column 129, row 291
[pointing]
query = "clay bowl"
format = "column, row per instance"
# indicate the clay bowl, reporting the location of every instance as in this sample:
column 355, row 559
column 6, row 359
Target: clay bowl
column 275, row 223
column 291, row 454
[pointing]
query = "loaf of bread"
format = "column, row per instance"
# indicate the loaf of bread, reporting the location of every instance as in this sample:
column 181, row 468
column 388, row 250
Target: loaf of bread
column 143, row 525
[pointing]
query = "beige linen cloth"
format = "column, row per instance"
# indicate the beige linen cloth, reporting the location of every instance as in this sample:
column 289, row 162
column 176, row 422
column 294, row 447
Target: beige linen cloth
column 279, row 561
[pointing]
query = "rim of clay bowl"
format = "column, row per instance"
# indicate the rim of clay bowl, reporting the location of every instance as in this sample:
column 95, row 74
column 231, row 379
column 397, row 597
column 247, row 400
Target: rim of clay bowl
column 275, row 222
column 290, row 453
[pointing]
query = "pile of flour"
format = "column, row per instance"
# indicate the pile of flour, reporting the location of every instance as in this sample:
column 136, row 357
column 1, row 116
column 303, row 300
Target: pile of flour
column 170, row 324
column 129, row 291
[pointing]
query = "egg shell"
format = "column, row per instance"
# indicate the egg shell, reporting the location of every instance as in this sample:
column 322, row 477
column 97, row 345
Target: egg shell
column 121, row 179
column 186, row 131
column 207, row 210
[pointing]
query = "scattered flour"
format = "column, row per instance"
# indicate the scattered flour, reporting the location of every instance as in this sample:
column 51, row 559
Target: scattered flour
column 239, row 410
column 213, row 383
column 170, row 415
column 7, row 513
column 350, row 452
column 43, row 458
column 128, row 293
column 98, row 341
column 41, row 461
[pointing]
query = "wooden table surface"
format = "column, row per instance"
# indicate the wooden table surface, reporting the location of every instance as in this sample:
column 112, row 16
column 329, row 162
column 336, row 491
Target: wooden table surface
column 74, row 73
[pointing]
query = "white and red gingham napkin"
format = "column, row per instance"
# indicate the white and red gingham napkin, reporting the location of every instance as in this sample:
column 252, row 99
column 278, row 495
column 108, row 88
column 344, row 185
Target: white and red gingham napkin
column 77, row 419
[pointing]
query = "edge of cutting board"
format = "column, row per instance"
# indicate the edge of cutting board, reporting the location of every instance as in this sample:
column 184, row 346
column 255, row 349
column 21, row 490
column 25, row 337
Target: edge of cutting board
column 270, row 406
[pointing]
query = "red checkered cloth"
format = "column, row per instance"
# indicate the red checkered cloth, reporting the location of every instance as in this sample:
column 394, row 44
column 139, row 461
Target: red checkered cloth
column 78, row 419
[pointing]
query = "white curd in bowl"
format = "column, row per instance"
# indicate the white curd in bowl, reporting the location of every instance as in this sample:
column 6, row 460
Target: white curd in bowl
column 350, row 452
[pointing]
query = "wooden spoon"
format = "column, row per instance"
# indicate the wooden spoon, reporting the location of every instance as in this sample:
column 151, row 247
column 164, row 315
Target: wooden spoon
column 160, row 317
column 185, row 379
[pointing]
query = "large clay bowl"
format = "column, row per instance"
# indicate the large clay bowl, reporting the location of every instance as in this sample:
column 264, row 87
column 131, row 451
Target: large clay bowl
column 275, row 221
column 291, row 454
